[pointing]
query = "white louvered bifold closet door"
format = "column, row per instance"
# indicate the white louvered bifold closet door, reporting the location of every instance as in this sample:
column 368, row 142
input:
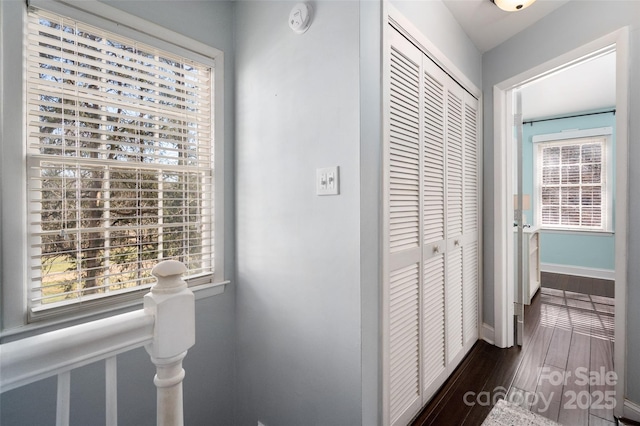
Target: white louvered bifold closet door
column 470, row 224
column 454, row 167
column 403, row 215
column 434, row 214
column 462, row 197
column 431, row 229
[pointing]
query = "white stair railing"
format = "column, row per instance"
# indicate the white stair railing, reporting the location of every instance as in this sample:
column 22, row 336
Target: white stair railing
column 173, row 306
column 166, row 327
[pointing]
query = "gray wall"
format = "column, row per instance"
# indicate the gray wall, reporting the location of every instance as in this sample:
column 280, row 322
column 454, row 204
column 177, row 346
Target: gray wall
column 370, row 202
column 570, row 27
column 298, row 264
column 209, row 386
column 308, row 266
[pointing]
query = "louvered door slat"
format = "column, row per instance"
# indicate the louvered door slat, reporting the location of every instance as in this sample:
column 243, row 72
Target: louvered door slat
column 454, row 165
column 454, row 303
column 433, row 344
column 403, row 141
column 404, row 103
column 402, row 135
column 433, row 209
column 470, row 291
column 471, row 198
column 404, row 315
column 404, row 153
column 403, row 120
column 404, row 70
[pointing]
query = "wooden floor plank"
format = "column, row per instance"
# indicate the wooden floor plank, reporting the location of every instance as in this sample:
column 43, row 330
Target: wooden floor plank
column 498, row 382
column 532, row 318
column 603, row 300
column 527, row 375
column 456, row 409
column 575, row 394
column 558, row 352
column 591, row 286
column 572, row 295
column 602, row 386
column 580, row 321
column 597, row 421
column 438, row 401
column 548, row 394
column 603, row 326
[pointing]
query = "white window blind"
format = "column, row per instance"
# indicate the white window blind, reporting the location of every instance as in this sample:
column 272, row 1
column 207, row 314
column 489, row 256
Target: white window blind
column 120, row 162
column 573, row 190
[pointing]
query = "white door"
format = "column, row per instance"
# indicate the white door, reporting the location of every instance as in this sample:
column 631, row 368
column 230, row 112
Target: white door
column 431, row 202
column 519, row 291
column 403, row 192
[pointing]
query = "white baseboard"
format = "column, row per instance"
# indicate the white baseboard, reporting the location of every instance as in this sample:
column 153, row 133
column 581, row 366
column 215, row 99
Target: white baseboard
column 581, row 271
column 631, row 410
column 488, row 334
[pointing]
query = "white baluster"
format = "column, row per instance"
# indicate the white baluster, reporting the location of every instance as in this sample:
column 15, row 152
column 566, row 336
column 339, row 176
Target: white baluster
column 64, row 399
column 173, row 306
column 111, row 384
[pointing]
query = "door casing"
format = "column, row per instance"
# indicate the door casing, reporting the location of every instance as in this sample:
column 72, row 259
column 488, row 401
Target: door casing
column 503, row 188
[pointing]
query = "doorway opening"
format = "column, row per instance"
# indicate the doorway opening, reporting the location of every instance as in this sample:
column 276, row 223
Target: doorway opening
column 505, row 268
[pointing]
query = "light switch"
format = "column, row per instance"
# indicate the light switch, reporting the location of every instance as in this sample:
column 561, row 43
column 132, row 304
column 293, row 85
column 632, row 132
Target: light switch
column 327, row 181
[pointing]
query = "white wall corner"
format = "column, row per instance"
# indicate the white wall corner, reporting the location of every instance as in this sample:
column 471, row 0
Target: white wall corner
column 631, row 410
column 488, row 334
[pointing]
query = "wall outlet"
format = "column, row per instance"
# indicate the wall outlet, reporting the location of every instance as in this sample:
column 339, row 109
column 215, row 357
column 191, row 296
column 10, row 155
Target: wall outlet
column 328, row 181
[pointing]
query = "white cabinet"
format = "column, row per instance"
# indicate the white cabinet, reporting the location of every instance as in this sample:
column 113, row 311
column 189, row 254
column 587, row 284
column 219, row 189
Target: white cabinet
column 431, row 218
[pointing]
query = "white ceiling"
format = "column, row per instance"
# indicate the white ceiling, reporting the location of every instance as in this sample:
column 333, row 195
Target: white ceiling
column 585, row 87
column 488, row 26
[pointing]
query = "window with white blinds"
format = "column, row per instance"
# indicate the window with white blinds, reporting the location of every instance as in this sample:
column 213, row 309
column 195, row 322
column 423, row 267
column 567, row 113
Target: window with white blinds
column 573, row 191
column 120, row 162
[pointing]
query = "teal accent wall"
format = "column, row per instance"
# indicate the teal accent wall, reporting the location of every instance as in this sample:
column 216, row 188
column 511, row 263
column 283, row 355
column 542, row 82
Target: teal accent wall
column 571, row 248
column 586, row 249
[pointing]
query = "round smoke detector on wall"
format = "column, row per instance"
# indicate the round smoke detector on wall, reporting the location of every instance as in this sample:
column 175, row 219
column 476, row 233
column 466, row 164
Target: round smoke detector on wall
column 300, row 18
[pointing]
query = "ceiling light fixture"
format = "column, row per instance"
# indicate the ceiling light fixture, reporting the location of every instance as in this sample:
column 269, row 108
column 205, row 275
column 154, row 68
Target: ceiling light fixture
column 512, row 5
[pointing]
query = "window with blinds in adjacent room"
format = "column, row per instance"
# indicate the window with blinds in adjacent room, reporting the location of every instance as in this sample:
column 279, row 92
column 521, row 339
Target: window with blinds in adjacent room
column 120, row 163
column 573, row 192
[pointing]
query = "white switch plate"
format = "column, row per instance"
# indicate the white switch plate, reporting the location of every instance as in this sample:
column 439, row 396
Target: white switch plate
column 328, row 181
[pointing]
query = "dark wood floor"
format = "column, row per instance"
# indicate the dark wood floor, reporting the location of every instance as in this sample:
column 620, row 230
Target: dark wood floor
column 567, row 335
column 587, row 285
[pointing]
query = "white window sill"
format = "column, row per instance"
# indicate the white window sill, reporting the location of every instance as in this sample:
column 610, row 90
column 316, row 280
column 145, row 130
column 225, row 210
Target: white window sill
column 201, row 291
column 576, row 231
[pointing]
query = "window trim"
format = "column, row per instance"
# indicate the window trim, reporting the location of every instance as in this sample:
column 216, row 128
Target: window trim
column 567, row 138
column 16, row 313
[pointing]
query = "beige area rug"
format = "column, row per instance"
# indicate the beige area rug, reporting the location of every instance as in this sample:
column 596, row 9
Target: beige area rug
column 508, row 414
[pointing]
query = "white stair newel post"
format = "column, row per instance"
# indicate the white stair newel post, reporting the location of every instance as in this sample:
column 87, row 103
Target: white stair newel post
column 173, row 306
